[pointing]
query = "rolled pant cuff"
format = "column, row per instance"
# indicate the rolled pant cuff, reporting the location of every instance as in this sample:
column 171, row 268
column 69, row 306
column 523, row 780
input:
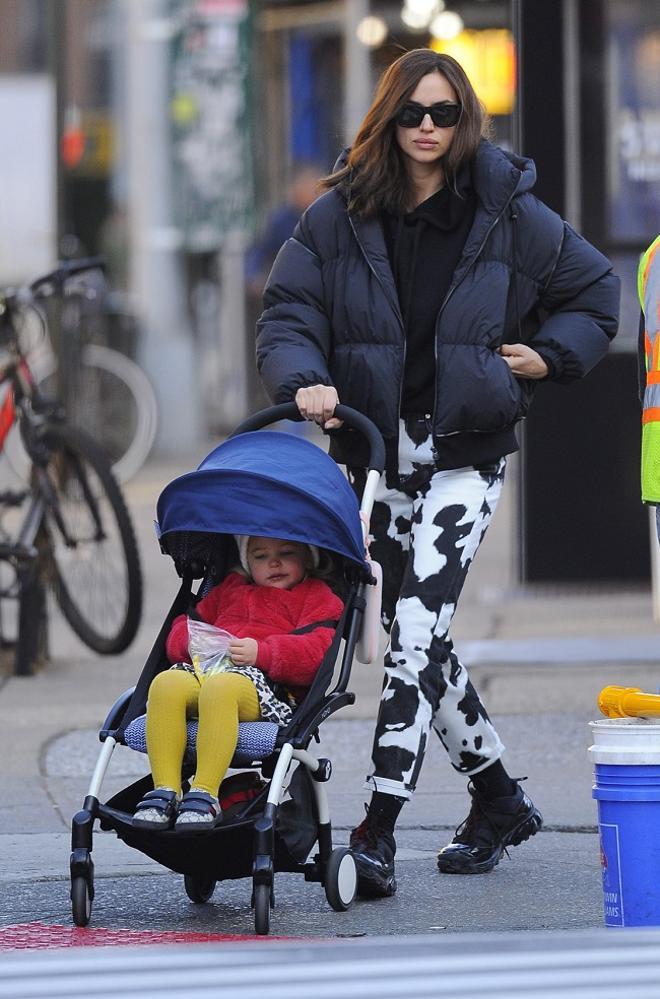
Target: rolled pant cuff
column 386, row 786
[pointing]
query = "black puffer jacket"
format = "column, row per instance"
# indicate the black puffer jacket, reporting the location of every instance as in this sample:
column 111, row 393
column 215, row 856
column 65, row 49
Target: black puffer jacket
column 332, row 316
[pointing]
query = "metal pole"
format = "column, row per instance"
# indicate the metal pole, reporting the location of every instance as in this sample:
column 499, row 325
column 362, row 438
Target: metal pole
column 156, row 275
column 655, row 563
column 572, row 124
column 516, row 27
column 56, row 47
column 56, row 43
column 520, row 553
column 358, row 73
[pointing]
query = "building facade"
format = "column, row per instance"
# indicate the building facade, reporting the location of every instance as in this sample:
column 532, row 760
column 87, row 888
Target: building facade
column 165, row 133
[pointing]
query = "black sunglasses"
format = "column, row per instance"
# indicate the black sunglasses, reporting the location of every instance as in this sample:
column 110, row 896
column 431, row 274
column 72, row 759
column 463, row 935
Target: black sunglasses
column 442, row 115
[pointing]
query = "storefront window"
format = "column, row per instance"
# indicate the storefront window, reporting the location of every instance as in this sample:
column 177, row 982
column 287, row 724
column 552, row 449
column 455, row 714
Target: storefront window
column 633, row 98
column 632, row 104
column 488, row 57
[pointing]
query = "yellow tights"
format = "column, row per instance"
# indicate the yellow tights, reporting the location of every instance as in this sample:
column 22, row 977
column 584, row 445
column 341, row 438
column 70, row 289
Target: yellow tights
column 220, row 701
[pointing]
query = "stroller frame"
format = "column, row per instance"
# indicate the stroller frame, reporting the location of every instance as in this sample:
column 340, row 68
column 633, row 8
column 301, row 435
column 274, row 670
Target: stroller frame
column 203, row 866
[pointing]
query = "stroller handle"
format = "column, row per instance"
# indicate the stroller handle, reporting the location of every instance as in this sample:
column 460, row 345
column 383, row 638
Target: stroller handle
column 351, row 417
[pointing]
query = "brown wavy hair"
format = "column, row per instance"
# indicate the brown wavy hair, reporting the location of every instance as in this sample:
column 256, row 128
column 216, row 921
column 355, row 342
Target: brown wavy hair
column 374, row 176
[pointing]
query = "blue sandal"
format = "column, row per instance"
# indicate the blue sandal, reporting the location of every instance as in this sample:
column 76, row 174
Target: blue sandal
column 157, row 809
column 198, row 811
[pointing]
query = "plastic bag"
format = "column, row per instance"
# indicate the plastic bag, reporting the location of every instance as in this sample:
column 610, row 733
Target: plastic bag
column 208, row 647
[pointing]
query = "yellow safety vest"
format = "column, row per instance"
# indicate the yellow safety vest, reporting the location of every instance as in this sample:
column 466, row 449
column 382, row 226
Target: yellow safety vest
column 648, row 289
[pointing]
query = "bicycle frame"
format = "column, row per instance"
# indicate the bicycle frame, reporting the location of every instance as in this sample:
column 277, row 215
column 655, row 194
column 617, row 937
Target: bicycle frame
column 68, row 472
column 23, row 403
column 24, row 406
column 14, row 409
column 21, row 386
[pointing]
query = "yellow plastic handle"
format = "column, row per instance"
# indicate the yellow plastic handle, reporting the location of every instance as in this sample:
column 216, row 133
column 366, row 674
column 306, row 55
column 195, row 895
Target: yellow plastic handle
column 628, row 702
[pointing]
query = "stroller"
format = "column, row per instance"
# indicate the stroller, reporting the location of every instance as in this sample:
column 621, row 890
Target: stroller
column 275, row 807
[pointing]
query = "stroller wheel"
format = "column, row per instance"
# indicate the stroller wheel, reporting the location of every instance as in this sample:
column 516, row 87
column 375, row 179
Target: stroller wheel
column 262, row 906
column 340, row 879
column 198, row 889
column 81, row 902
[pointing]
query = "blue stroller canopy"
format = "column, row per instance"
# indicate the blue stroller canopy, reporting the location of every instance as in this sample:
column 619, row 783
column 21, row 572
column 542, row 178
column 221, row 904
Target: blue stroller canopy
column 267, row 484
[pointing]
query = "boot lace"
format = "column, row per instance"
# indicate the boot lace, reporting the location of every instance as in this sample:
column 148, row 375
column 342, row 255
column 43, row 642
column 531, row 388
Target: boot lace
column 472, row 829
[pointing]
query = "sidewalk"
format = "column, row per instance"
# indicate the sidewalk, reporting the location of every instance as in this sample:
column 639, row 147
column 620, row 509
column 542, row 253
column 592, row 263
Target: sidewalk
column 538, row 658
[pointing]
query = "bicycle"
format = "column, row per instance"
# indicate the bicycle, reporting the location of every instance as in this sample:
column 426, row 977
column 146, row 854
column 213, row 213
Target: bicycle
column 76, row 534
column 103, row 390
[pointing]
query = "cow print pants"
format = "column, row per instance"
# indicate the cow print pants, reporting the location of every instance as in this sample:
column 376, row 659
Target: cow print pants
column 425, row 534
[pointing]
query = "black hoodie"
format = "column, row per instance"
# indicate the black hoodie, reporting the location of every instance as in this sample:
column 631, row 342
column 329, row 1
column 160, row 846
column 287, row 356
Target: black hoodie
column 424, row 248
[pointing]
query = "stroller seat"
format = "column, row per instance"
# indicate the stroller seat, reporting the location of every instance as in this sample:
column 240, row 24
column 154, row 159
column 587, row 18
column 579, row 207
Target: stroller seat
column 256, row 740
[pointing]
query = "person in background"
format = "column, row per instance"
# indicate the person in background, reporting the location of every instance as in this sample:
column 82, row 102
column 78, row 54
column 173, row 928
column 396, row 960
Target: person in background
column 302, row 189
column 431, row 290
column 301, row 192
column 648, row 289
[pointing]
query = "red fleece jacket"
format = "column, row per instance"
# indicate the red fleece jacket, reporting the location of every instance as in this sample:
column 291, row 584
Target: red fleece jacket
column 270, row 616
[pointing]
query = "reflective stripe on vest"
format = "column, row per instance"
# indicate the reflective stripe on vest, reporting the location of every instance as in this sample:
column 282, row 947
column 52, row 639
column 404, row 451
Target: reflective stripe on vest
column 648, row 288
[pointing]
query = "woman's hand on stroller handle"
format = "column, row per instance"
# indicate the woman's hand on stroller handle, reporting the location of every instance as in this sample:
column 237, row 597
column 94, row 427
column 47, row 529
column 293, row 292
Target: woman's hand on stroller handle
column 318, row 403
column 344, row 414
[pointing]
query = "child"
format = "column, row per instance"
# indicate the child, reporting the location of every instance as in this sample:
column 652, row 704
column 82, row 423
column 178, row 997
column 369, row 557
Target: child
column 283, row 619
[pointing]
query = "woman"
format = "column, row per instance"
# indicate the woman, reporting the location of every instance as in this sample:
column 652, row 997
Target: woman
column 430, row 289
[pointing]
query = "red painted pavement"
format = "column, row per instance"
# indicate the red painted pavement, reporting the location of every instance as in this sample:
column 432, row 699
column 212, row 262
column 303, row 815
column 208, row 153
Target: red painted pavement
column 40, row 936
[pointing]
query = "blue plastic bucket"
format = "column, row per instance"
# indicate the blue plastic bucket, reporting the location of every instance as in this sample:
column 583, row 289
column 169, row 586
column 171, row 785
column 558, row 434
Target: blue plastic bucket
column 626, row 757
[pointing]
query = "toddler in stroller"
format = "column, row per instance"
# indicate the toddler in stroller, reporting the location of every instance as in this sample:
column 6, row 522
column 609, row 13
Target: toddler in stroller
column 274, row 801
column 280, row 619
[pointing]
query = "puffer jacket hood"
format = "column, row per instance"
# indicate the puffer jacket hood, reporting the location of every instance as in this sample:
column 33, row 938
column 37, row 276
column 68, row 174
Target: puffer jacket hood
column 493, row 169
column 332, row 314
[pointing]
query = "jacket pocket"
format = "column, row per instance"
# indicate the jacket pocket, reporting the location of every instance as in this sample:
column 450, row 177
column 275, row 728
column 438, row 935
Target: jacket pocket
column 476, row 391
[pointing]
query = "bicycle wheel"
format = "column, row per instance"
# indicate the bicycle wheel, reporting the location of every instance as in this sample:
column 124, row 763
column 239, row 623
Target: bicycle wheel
column 121, row 412
column 113, row 402
column 95, row 566
column 117, row 407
